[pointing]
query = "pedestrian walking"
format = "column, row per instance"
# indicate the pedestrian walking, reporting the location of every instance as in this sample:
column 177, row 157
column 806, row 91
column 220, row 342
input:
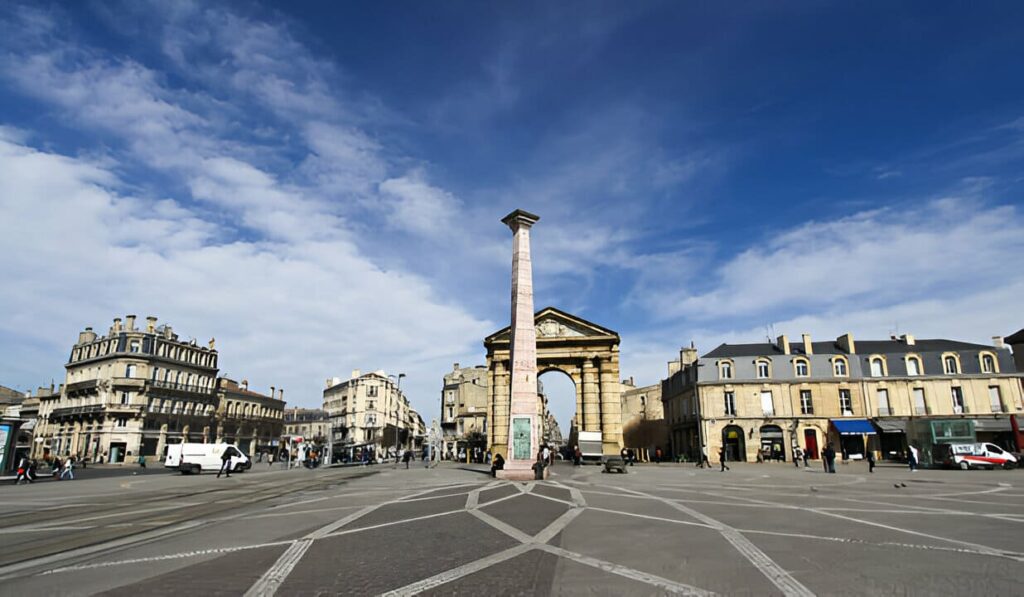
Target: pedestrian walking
column 912, row 460
column 722, row 457
column 704, row 457
column 577, row 456
column 407, row 457
column 23, row 472
column 807, row 456
column 67, row 472
column 142, row 460
column 871, row 461
column 545, row 455
column 657, row 455
column 270, row 459
column 225, row 463
column 797, row 456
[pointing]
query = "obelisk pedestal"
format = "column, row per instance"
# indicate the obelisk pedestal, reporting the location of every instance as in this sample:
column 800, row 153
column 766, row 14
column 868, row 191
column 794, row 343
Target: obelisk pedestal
column 524, row 416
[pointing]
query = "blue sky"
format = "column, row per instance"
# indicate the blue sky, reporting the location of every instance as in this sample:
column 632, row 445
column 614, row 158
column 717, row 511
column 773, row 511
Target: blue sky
column 320, row 186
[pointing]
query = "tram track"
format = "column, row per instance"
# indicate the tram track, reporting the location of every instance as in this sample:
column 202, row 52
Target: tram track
column 122, row 524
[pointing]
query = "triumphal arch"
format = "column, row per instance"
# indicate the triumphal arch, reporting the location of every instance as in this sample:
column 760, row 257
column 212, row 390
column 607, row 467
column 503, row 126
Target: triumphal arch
column 585, row 351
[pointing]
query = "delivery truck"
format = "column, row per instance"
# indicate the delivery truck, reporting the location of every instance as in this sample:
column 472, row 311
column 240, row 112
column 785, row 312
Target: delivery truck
column 193, row 459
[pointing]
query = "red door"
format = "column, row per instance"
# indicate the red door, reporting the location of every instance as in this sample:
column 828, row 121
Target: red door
column 811, row 443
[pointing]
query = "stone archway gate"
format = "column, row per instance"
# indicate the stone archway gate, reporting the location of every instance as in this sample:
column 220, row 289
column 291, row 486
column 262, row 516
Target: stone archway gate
column 585, row 351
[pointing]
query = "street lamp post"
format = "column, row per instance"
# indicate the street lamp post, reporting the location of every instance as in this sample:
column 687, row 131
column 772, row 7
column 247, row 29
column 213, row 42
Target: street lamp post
column 398, row 397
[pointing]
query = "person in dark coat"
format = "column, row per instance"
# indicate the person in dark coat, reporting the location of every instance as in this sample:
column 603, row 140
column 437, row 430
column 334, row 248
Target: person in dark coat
column 722, row 456
column 871, row 461
column 830, row 458
column 225, row 462
column 497, row 464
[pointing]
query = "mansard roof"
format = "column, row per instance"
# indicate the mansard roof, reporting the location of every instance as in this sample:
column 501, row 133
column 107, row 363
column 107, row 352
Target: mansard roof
column 864, row 347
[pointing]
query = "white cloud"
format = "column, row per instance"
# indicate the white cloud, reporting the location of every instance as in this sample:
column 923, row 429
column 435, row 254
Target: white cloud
column 419, row 207
column 287, row 314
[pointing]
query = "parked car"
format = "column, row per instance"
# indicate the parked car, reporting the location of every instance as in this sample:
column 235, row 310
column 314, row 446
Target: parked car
column 978, row 455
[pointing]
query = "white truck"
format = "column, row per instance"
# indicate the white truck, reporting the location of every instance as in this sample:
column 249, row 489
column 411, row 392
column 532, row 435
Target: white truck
column 193, row 459
column 591, row 446
column 977, row 455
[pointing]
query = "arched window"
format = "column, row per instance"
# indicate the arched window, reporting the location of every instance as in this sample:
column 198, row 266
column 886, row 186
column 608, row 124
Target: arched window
column 839, row 367
column 803, row 368
column 764, row 370
column 877, row 367
column 950, row 364
column 913, row 365
column 725, row 369
column 988, row 363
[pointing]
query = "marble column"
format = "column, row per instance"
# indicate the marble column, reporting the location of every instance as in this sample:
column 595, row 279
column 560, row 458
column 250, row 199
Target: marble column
column 591, row 398
column 611, row 406
column 524, row 422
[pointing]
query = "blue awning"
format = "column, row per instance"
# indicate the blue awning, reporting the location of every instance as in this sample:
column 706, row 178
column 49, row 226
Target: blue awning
column 853, row 426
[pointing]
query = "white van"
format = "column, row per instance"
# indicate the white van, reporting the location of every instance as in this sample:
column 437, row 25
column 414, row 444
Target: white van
column 196, row 458
column 591, row 446
column 979, row 455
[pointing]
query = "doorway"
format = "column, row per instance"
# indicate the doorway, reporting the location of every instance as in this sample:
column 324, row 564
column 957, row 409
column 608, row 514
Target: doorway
column 771, row 443
column 811, row 443
column 117, row 450
column 732, row 440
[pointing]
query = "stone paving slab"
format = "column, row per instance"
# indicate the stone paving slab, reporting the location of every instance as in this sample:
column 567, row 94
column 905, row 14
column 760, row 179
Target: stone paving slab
column 489, row 495
column 527, row 513
column 231, row 574
column 383, row 559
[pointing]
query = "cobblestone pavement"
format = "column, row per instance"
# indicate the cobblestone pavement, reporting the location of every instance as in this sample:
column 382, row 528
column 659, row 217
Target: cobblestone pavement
column 452, row 530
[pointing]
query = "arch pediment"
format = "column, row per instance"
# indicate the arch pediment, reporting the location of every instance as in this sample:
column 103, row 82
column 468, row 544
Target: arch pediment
column 552, row 323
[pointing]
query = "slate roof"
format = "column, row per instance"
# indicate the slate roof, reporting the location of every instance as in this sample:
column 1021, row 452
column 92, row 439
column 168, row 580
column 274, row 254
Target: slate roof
column 831, row 347
column 1016, row 338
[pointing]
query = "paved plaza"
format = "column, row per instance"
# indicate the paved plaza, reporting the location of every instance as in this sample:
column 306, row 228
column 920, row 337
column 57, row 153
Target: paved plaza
column 452, row 530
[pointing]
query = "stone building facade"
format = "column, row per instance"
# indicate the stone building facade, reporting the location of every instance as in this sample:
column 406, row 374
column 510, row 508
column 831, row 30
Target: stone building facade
column 311, row 424
column 131, row 392
column 879, row 395
column 252, row 421
column 369, row 411
column 643, row 419
column 464, row 409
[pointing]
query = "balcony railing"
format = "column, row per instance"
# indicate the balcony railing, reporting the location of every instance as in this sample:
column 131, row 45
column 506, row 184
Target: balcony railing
column 179, row 387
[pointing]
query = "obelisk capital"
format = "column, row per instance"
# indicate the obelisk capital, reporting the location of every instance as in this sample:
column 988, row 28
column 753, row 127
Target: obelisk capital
column 520, row 218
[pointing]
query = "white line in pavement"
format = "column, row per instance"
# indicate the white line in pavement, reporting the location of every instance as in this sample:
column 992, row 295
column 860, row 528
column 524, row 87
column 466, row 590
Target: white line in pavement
column 775, row 573
column 553, row 499
column 171, row 556
column 392, row 523
column 644, row 577
column 875, row 544
column 6, row 571
column 556, row 527
column 983, row 548
column 461, row 571
column 649, row 517
column 504, row 527
column 298, row 512
column 18, row 530
column 271, row 580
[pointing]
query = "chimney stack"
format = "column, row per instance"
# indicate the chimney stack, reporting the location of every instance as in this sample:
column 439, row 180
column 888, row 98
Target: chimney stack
column 151, row 324
column 117, row 325
column 168, row 332
column 129, row 323
column 808, row 347
column 998, row 342
column 272, row 391
column 783, row 343
column 356, row 373
column 687, row 356
column 846, row 343
column 455, row 367
column 245, row 384
column 86, row 336
column 280, row 394
column 908, row 339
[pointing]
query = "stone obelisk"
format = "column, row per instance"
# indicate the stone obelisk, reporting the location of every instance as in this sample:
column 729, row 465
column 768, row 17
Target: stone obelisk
column 524, row 418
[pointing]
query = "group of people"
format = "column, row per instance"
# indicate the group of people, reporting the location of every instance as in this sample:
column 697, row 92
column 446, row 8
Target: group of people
column 59, row 469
